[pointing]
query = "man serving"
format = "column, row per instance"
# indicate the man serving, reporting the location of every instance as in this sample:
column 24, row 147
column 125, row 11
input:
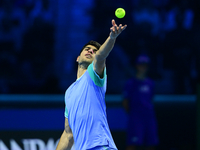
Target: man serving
column 85, row 109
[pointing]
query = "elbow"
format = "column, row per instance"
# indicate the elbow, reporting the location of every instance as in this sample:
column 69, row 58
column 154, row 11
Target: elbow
column 70, row 137
column 71, row 140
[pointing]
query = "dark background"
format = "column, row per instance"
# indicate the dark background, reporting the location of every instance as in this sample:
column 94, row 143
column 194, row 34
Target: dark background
column 41, row 39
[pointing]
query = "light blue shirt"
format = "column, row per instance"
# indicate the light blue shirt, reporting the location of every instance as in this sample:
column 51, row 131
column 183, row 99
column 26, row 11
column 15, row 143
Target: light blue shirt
column 85, row 109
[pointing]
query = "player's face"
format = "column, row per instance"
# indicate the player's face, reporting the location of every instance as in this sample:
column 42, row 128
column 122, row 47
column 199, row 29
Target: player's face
column 87, row 55
column 142, row 68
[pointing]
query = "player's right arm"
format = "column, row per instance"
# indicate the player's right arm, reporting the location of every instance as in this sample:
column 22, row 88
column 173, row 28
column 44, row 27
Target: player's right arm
column 66, row 140
column 105, row 49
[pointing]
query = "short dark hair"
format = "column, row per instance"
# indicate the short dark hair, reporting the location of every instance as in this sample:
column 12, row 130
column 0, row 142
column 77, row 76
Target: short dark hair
column 93, row 43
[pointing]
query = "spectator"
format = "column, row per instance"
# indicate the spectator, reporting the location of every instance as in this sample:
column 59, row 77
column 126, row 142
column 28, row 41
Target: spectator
column 11, row 24
column 187, row 15
column 138, row 94
column 146, row 14
column 178, row 47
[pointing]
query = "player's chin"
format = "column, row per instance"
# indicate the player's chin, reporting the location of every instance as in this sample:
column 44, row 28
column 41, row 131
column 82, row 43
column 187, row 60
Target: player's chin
column 88, row 60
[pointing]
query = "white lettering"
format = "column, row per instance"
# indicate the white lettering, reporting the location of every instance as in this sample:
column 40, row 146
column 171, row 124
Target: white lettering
column 26, row 144
column 51, row 145
column 30, row 144
column 14, row 145
column 34, row 143
column 3, row 146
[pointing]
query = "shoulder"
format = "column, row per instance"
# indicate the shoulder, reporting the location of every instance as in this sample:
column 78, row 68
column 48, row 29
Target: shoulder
column 69, row 87
column 95, row 77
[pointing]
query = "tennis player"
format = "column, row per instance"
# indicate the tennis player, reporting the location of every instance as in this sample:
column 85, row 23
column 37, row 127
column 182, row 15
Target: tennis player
column 85, row 111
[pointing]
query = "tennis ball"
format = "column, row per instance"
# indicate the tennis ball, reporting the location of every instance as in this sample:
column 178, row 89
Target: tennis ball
column 120, row 13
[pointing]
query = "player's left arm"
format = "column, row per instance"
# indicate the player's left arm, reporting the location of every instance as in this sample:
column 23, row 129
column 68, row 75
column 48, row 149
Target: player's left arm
column 105, row 49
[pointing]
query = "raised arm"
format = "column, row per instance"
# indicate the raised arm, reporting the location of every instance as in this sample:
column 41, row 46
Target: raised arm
column 66, row 140
column 105, row 49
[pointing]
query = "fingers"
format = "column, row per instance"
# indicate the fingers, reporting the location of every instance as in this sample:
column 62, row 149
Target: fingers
column 114, row 25
column 116, row 30
column 124, row 27
column 113, row 29
column 120, row 28
column 113, row 22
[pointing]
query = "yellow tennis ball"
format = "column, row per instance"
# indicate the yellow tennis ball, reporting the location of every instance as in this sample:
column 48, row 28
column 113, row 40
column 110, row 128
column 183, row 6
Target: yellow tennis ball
column 120, row 13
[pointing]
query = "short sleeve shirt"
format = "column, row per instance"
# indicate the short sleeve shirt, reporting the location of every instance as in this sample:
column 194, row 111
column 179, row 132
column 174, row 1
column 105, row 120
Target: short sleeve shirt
column 85, row 109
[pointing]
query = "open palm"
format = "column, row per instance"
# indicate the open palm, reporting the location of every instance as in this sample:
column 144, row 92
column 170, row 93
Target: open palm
column 116, row 30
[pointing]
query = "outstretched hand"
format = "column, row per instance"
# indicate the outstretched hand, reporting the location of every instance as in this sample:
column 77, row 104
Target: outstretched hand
column 116, row 30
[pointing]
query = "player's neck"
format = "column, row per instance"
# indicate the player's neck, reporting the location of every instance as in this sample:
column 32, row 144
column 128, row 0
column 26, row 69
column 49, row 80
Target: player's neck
column 140, row 76
column 81, row 70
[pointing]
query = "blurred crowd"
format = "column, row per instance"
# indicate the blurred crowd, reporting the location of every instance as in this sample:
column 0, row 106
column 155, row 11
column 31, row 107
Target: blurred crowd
column 26, row 47
column 166, row 30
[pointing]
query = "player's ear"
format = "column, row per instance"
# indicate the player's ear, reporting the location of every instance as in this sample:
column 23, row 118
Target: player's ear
column 77, row 58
